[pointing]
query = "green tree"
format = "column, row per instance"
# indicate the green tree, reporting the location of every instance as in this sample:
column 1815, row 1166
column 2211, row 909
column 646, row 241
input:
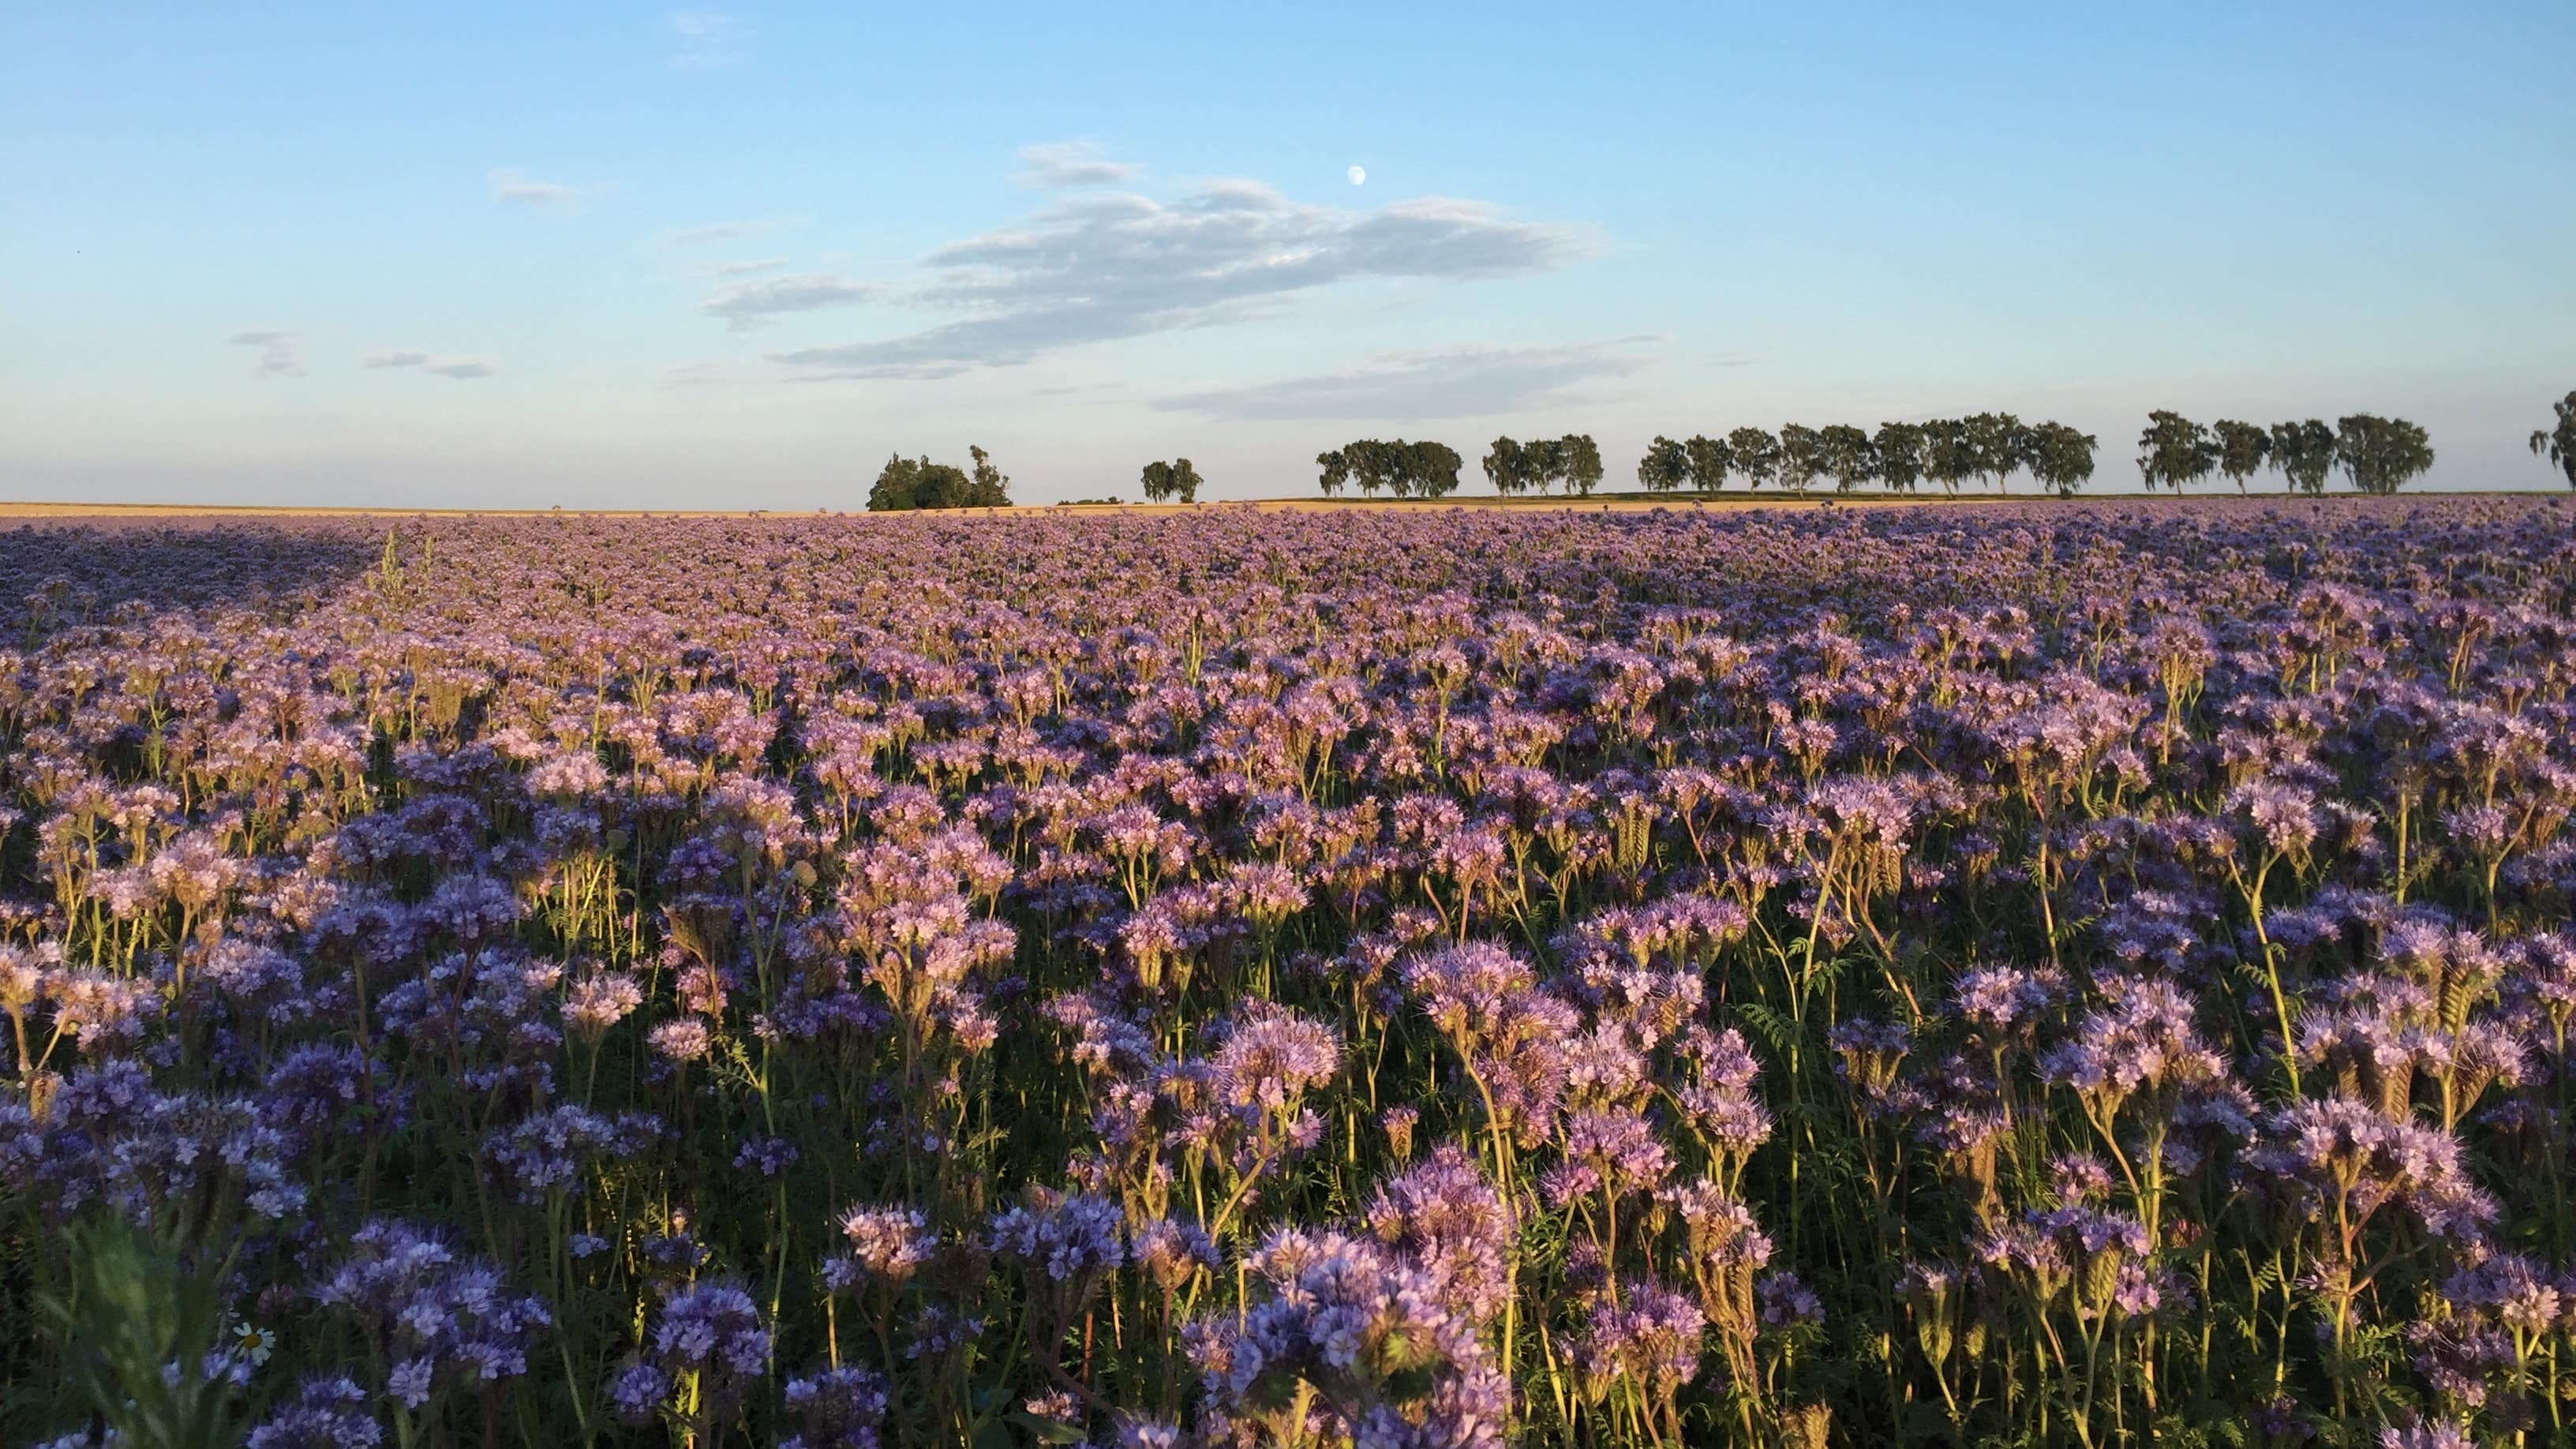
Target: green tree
column 1848, row 455
column 2242, row 447
column 987, row 487
column 2558, row 445
column 1376, row 465
column 1947, row 458
column 1710, row 461
column 898, row 484
column 2061, row 457
column 1757, row 455
column 1801, row 455
column 2174, row 451
column 1580, row 457
column 1665, row 466
column 2305, row 453
column 1545, row 458
column 1507, row 467
column 2381, row 455
column 905, row 484
column 1431, row 469
column 1899, row 447
column 1992, row 444
column 1175, row 479
column 1333, row 471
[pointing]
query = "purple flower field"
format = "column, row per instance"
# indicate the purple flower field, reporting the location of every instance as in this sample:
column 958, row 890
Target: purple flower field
column 2043, row 973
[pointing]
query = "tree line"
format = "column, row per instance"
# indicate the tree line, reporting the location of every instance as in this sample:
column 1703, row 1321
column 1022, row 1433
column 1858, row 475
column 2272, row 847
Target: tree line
column 1900, row 457
column 2378, row 455
column 1408, row 470
column 909, row 483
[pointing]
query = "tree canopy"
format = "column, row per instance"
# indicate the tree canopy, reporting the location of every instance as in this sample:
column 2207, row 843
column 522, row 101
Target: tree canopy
column 2558, row 444
column 2174, row 451
column 2242, row 447
column 2061, row 457
column 1665, row 467
column 1573, row 460
column 1847, row 455
column 1757, row 455
column 905, row 484
column 1409, row 470
column 2381, row 455
column 1711, row 459
column 1992, row 445
column 1899, row 449
column 1175, row 479
column 1802, row 451
column 2305, row 454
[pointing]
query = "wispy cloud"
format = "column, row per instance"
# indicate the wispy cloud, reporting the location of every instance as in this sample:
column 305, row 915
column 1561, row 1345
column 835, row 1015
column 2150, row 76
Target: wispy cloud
column 722, row 231
column 690, row 374
column 1118, row 265
column 1452, row 383
column 463, row 369
column 516, row 188
column 1072, row 163
column 707, row 41
column 746, row 305
column 277, row 352
column 749, row 267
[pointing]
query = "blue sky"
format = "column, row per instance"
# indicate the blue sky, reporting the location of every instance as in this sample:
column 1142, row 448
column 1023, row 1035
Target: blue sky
column 629, row 255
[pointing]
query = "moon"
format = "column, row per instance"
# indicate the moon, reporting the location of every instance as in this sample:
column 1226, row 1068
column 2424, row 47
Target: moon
column 1359, row 176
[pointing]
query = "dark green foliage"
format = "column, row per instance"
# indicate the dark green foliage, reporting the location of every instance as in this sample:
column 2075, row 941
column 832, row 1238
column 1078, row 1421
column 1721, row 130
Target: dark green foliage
column 135, row 1331
column 1710, row 459
column 2061, row 457
column 1993, row 445
column 1507, row 467
column 2558, row 444
column 909, row 483
column 2174, row 451
column 1665, row 467
column 1757, row 455
column 1848, row 455
column 1409, row 470
column 1801, row 456
column 1947, row 457
column 1336, row 471
column 2381, row 455
column 1580, row 458
column 1175, row 479
column 1573, row 460
column 2305, row 453
column 1899, row 447
column 2242, row 448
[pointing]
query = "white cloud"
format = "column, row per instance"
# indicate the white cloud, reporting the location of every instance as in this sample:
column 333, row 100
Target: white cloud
column 708, row 41
column 1121, row 265
column 1072, row 163
column 1452, row 383
column 720, row 231
column 729, row 268
column 463, row 369
column 277, row 352
column 690, row 374
column 746, row 305
column 514, row 188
